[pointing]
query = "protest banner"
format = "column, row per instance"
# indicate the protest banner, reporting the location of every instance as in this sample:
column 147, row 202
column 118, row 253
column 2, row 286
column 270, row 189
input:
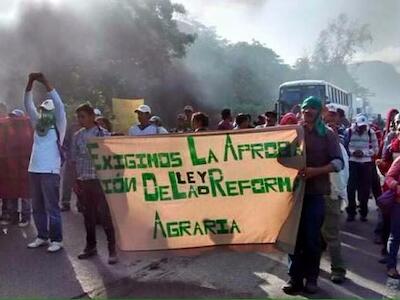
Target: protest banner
column 124, row 113
column 187, row 191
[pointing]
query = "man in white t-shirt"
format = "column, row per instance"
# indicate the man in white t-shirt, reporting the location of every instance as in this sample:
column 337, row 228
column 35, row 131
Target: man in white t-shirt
column 145, row 127
column 49, row 123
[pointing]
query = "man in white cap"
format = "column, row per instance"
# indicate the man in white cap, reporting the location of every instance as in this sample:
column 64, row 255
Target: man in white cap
column 362, row 145
column 49, row 123
column 145, row 127
column 156, row 120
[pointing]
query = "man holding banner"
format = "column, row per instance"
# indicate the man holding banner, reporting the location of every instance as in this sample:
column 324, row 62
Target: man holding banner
column 323, row 157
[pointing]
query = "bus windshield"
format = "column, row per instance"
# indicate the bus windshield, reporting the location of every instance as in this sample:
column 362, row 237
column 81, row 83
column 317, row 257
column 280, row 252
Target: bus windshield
column 291, row 96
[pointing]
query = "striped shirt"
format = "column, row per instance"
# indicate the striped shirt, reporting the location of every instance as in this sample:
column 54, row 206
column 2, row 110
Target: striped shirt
column 80, row 154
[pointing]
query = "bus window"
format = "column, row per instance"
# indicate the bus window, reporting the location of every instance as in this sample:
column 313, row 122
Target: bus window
column 291, row 96
column 330, row 94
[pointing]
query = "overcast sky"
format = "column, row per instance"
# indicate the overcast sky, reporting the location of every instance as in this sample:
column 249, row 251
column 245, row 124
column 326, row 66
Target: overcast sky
column 291, row 27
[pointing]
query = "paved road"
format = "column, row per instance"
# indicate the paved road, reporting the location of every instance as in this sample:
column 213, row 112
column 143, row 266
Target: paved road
column 217, row 273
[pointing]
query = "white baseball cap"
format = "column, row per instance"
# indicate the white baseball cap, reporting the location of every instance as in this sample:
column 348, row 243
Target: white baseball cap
column 144, row 109
column 97, row 112
column 331, row 108
column 47, row 105
column 361, row 120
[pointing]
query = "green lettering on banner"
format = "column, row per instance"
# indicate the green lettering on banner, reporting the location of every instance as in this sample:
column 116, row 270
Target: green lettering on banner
column 107, row 162
column 211, row 157
column 152, row 160
column 223, row 226
column 270, row 150
column 184, row 227
column 244, row 184
column 209, row 226
column 148, row 196
column 258, row 186
column 176, row 160
column 173, row 229
column 193, row 192
column 284, row 184
column 107, row 186
column 95, row 157
column 196, row 161
column 243, row 148
column 234, row 227
column 158, row 223
column 256, row 151
column 164, row 160
column 130, row 162
column 270, row 184
column 120, row 165
column 231, row 188
column 130, row 185
column 141, row 164
column 197, row 228
column 176, row 194
column 229, row 148
column 118, row 184
column 215, row 183
column 163, row 190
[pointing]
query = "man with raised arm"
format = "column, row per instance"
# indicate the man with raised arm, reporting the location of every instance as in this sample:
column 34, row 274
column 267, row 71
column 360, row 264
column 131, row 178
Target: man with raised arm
column 49, row 124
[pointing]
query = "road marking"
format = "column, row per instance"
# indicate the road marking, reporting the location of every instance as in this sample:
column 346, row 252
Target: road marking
column 355, row 236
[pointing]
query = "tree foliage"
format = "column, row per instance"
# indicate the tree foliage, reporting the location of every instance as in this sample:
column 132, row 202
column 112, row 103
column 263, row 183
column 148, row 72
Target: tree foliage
column 334, row 50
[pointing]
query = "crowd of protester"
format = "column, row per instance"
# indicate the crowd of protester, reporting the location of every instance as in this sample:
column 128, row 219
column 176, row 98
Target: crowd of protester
column 347, row 163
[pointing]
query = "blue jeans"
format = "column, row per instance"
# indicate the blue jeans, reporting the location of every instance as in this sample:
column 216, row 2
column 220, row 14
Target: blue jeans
column 45, row 191
column 304, row 263
column 394, row 238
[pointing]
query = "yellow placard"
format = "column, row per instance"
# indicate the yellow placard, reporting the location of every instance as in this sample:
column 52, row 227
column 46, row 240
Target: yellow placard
column 124, row 113
column 187, row 191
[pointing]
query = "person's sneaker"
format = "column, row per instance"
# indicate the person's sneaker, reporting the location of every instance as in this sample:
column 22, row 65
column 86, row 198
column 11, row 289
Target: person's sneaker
column 38, row 243
column 311, row 287
column 55, row 247
column 293, row 287
column 337, row 278
column 350, row 218
column 65, row 207
column 88, row 253
column 23, row 223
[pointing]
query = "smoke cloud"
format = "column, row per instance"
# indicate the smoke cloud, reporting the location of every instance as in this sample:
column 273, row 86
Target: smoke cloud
column 115, row 47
